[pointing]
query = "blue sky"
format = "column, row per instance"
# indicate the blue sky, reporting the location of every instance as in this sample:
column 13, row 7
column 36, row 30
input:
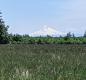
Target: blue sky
column 26, row 16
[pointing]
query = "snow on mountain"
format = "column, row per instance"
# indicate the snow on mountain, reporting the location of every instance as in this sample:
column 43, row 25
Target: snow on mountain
column 47, row 31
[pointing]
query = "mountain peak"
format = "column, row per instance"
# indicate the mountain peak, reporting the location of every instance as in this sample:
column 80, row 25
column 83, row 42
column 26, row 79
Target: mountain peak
column 47, row 31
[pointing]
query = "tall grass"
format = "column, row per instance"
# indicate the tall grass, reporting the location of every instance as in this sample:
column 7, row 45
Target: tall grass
column 42, row 62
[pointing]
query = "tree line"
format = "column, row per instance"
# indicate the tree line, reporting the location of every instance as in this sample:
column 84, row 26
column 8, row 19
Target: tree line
column 6, row 38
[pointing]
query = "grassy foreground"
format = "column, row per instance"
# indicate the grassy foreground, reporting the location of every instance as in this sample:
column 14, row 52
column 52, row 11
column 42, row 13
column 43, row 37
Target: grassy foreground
column 42, row 62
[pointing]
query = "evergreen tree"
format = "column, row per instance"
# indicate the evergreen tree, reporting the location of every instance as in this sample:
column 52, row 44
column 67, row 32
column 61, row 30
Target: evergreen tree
column 3, row 32
column 85, row 34
column 73, row 35
column 69, row 35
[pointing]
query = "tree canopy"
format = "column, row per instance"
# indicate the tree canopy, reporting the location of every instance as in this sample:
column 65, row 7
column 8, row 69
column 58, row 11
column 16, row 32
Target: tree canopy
column 3, row 31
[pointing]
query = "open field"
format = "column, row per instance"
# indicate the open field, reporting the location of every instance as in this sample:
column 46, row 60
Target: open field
column 42, row 62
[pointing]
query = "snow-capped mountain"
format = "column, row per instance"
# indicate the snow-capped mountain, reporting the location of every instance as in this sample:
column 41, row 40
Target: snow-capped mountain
column 47, row 31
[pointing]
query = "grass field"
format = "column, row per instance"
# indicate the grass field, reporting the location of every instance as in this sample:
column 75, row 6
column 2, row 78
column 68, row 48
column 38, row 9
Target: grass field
column 42, row 62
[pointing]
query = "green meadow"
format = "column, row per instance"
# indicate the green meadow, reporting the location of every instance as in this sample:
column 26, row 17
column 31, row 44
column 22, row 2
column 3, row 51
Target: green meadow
column 42, row 62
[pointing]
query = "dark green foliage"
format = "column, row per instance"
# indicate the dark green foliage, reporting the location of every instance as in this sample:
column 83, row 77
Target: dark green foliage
column 3, row 32
column 39, row 41
column 17, row 38
column 66, row 38
column 26, row 39
column 46, row 40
